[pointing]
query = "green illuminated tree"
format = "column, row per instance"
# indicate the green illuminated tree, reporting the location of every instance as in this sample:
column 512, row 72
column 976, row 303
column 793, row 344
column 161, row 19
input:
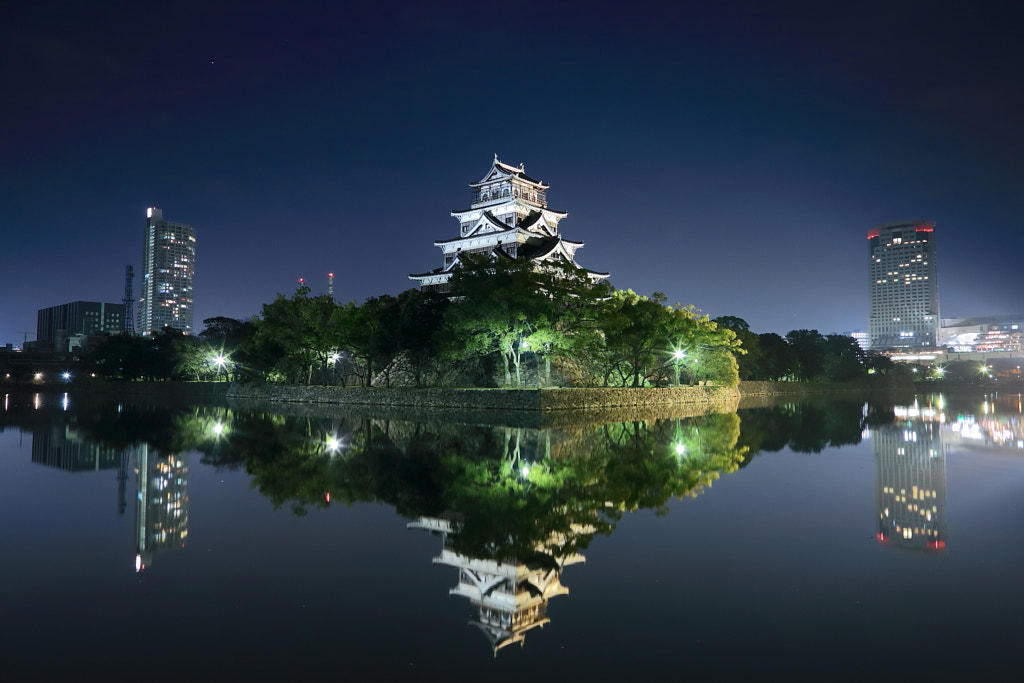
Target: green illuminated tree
column 300, row 334
column 505, row 306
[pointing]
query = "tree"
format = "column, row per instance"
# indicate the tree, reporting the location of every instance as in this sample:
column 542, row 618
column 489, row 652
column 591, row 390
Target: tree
column 636, row 337
column 749, row 363
column 879, row 362
column 420, row 322
column 302, row 332
column 121, row 356
column 844, row 359
column 810, row 349
column 711, row 349
column 192, row 359
column 643, row 337
column 777, row 359
column 226, row 332
column 499, row 303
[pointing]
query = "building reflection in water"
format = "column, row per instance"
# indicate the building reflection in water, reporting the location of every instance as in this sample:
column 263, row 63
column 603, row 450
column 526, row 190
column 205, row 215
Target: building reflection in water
column 997, row 424
column 511, row 596
column 161, row 512
column 910, row 478
column 64, row 447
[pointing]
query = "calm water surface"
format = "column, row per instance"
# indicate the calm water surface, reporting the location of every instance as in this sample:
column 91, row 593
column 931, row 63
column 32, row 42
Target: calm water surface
column 814, row 540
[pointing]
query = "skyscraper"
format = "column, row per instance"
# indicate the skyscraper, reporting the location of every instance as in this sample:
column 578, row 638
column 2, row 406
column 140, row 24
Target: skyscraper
column 904, row 290
column 168, row 274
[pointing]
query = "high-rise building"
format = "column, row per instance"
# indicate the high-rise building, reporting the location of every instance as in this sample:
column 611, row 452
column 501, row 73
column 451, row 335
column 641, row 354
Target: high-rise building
column 904, row 290
column 57, row 327
column 168, row 274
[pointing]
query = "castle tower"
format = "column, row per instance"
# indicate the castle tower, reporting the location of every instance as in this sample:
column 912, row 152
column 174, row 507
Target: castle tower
column 508, row 218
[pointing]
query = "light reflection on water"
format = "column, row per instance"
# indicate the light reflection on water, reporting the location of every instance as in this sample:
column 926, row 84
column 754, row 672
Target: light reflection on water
column 756, row 520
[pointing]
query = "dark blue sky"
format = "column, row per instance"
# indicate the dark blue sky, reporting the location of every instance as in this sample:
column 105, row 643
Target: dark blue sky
column 731, row 154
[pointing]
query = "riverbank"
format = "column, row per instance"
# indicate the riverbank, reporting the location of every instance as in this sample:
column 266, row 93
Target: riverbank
column 446, row 399
column 543, row 400
column 880, row 383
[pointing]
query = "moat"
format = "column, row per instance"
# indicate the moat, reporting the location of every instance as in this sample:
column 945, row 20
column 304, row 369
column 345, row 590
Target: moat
column 815, row 537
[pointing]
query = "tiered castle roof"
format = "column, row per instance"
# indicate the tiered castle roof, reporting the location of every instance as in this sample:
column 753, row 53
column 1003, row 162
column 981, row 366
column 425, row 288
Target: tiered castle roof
column 508, row 218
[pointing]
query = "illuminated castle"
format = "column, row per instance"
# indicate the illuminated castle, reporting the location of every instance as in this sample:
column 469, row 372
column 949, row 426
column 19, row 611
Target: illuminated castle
column 508, row 217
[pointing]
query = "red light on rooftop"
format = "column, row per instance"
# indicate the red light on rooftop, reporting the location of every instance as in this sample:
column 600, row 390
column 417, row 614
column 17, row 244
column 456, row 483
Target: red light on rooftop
column 936, row 545
column 927, row 227
column 882, row 538
column 873, row 233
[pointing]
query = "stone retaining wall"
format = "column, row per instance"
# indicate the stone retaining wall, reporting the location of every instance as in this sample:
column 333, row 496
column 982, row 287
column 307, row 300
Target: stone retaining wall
column 487, row 399
column 452, row 401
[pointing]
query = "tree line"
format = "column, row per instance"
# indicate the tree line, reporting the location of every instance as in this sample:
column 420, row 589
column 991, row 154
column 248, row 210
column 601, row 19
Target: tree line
column 802, row 355
column 503, row 322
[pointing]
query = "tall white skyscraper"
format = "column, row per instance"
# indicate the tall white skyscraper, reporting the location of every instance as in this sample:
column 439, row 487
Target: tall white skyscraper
column 168, row 275
column 904, row 290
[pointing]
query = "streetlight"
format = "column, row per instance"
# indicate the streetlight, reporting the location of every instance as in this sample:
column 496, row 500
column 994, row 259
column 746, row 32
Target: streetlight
column 220, row 362
column 334, row 444
column 679, row 355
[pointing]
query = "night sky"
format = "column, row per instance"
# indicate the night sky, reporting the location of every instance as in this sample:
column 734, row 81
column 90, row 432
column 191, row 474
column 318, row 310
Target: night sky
column 730, row 154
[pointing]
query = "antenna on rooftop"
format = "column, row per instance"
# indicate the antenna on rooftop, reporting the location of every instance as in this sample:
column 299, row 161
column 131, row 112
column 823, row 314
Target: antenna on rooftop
column 330, row 285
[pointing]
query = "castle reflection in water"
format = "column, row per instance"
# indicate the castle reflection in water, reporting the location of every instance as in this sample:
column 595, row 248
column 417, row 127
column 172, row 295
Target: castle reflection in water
column 510, row 595
column 509, row 587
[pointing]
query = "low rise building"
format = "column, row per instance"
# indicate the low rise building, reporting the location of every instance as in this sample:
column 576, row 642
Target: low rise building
column 59, row 328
